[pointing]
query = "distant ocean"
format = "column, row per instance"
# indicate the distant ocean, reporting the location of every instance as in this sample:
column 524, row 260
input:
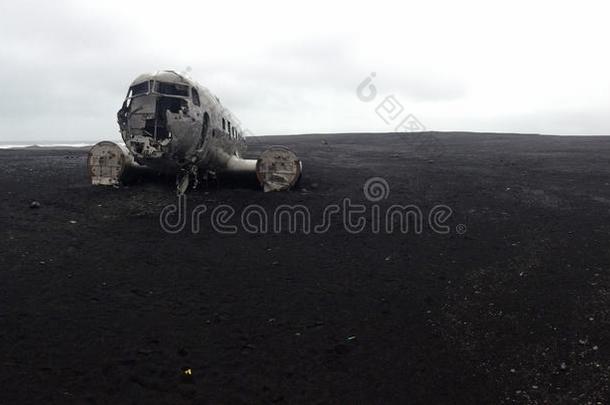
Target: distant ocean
column 13, row 145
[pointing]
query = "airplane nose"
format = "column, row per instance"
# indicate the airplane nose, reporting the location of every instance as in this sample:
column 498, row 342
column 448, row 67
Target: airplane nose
column 147, row 116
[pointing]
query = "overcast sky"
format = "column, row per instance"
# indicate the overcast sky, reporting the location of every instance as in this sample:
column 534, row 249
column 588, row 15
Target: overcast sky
column 294, row 67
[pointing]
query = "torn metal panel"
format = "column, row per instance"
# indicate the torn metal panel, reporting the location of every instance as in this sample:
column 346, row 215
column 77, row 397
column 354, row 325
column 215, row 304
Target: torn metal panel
column 182, row 126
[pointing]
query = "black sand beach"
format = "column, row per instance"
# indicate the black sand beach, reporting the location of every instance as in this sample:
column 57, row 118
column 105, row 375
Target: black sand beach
column 99, row 305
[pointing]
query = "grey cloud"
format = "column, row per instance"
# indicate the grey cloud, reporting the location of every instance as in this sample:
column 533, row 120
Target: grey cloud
column 64, row 71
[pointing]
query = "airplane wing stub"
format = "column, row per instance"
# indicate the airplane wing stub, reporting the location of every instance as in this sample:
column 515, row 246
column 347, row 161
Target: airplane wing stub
column 278, row 169
column 107, row 163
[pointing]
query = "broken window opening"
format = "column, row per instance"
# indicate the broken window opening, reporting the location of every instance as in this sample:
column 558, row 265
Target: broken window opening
column 138, row 89
column 196, row 100
column 172, row 89
column 204, row 128
column 157, row 128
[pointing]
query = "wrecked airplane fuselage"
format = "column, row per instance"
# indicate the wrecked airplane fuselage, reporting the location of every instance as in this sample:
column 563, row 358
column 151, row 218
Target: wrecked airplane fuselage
column 168, row 122
column 173, row 125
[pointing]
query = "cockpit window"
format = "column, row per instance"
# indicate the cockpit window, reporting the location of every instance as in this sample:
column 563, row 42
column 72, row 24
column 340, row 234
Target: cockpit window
column 138, row 89
column 172, row 89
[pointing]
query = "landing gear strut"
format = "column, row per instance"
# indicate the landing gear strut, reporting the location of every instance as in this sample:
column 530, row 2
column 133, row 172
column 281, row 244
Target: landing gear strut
column 185, row 177
column 189, row 177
